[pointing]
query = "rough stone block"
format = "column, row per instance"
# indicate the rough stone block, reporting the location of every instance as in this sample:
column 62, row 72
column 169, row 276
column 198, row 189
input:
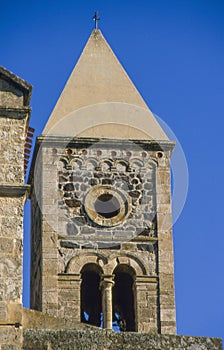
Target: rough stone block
column 168, row 315
column 3, row 312
column 9, row 335
column 6, row 245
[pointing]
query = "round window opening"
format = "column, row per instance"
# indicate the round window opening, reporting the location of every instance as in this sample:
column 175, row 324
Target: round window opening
column 107, row 205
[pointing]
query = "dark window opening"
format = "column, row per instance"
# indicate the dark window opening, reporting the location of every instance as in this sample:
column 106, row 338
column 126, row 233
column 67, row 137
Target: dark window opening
column 123, row 300
column 91, row 306
column 107, row 205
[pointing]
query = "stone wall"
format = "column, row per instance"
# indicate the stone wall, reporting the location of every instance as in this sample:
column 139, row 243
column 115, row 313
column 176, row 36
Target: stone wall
column 10, row 95
column 14, row 118
column 11, row 234
column 10, row 338
column 105, row 340
column 12, row 135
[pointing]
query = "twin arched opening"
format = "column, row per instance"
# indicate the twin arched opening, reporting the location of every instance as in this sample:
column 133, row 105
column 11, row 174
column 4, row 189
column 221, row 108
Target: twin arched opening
column 113, row 299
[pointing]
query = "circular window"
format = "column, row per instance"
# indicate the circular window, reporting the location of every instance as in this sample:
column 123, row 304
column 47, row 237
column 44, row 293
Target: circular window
column 107, row 206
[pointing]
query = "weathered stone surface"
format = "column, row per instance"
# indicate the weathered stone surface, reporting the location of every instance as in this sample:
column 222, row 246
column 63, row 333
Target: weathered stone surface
column 33, row 319
column 10, row 338
column 14, row 116
column 3, row 312
column 106, row 340
column 108, row 245
column 68, row 244
column 69, row 178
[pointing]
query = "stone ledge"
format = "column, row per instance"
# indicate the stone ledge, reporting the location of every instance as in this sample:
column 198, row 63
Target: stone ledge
column 44, row 332
column 32, row 319
column 153, row 145
column 14, row 113
column 109, row 340
column 14, row 190
column 13, row 314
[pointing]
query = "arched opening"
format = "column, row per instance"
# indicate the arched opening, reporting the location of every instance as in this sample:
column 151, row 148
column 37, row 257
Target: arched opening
column 91, row 305
column 123, row 299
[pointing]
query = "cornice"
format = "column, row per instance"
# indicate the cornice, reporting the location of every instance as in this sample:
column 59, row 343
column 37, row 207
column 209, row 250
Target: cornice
column 13, row 190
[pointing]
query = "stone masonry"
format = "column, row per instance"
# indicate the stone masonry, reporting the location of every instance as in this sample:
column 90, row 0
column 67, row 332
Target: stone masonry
column 66, row 183
column 14, row 119
column 106, row 340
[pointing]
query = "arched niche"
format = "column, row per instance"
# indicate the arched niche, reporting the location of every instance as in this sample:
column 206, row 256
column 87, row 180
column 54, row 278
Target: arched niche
column 121, row 166
column 136, row 163
column 62, row 164
column 106, row 164
column 91, row 164
column 76, row 163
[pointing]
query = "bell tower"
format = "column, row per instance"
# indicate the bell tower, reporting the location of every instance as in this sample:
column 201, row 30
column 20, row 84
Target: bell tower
column 102, row 248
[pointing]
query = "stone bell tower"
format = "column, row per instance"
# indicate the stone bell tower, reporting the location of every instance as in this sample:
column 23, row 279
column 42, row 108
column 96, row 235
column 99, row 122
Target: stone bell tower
column 102, row 248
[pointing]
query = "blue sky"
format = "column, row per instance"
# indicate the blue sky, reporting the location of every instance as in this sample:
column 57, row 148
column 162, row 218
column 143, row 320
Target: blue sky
column 174, row 53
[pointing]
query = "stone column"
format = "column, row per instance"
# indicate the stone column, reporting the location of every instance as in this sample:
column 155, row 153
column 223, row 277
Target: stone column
column 106, row 288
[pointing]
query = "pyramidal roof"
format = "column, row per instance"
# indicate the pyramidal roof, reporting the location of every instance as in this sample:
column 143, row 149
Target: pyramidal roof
column 99, row 94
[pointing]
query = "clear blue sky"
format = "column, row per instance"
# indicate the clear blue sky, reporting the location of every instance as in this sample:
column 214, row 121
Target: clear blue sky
column 174, row 53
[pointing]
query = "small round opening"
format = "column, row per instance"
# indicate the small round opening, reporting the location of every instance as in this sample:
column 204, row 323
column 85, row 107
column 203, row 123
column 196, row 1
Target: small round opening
column 144, row 154
column 113, row 153
column 159, row 154
column 107, row 205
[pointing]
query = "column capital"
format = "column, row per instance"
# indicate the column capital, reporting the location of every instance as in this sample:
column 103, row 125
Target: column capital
column 106, row 281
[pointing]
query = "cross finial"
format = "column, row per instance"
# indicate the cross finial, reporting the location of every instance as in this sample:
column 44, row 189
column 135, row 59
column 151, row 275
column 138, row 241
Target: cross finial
column 96, row 18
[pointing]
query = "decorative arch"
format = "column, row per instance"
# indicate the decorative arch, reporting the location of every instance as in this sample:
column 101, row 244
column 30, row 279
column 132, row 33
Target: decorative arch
column 136, row 163
column 63, row 161
column 128, row 259
column 121, row 165
column 91, row 163
column 106, row 162
column 76, row 163
column 77, row 262
column 153, row 163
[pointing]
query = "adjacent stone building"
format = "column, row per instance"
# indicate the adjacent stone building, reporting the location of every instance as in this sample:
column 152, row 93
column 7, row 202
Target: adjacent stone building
column 14, row 119
column 101, row 225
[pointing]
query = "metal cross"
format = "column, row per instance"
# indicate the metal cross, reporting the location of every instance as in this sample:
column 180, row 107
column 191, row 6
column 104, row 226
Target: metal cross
column 96, row 18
